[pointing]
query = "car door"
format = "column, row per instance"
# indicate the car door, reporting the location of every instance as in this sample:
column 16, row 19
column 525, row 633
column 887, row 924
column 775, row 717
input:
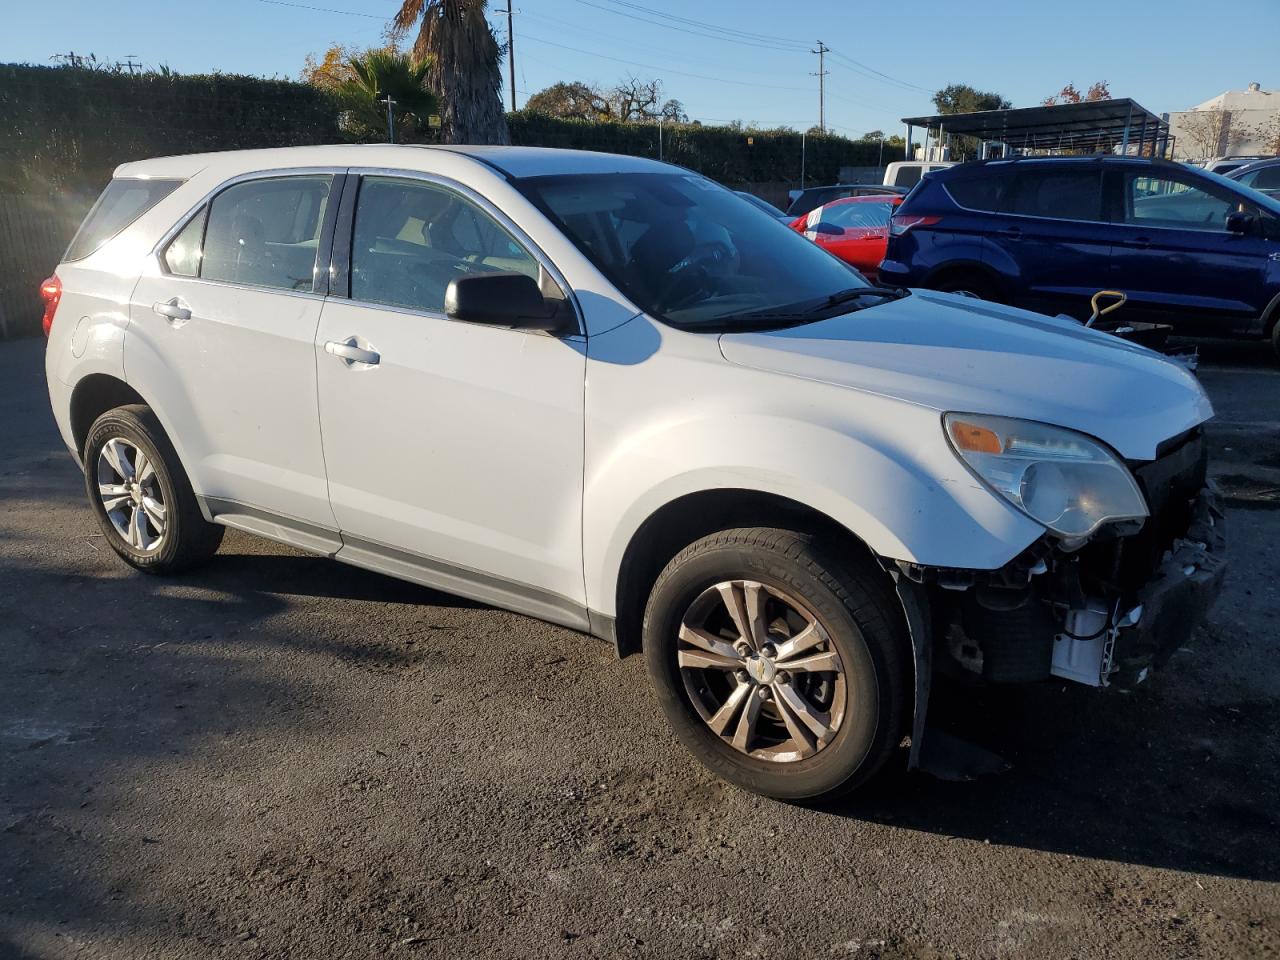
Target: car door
column 1174, row 256
column 454, row 450
column 222, row 343
column 1054, row 235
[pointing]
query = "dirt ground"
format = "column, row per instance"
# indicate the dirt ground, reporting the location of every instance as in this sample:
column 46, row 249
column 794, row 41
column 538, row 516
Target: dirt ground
column 283, row 756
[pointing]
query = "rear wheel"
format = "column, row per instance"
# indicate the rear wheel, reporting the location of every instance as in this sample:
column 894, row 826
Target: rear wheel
column 778, row 662
column 141, row 495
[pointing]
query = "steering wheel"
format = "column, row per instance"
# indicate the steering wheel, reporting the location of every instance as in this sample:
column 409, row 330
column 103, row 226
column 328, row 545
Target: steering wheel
column 696, row 274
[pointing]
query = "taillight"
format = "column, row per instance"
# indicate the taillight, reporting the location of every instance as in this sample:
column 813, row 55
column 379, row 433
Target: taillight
column 51, row 293
column 899, row 224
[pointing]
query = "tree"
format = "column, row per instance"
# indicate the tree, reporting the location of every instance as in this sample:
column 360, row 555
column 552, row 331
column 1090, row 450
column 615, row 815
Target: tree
column 365, row 83
column 962, row 98
column 1211, row 133
column 873, row 135
column 1069, row 94
column 570, row 100
column 636, row 100
column 455, row 38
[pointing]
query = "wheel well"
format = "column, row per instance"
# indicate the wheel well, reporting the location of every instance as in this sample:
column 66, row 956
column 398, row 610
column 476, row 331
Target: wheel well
column 679, row 523
column 93, row 396
column 942, row 274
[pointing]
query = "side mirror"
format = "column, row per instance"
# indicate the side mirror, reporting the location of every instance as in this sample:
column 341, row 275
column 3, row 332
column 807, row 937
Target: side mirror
column 505, row 299
column 830, row 229
column 1241, row 223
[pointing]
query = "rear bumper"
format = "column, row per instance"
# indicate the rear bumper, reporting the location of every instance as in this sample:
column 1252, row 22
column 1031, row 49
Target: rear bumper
column 1177, row 598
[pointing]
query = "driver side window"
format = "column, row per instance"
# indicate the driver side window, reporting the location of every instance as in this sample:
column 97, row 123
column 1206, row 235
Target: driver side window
column 411, row 238
column 1158, row 200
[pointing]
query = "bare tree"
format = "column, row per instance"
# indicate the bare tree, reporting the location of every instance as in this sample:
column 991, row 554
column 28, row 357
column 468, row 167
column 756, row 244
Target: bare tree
column 1210, row 133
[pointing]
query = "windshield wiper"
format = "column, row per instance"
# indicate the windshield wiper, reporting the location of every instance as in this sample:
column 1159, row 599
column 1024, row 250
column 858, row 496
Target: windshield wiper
column 812, row 309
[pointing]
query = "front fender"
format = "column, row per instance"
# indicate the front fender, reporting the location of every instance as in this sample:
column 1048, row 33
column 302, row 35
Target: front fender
column 909, row 499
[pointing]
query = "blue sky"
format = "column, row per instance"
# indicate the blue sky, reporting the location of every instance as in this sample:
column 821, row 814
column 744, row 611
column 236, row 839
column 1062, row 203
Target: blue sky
column 1168, row 55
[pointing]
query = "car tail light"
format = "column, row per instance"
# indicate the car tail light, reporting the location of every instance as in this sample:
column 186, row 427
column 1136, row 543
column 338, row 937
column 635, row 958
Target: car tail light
column 899, row 224
column 51, row 293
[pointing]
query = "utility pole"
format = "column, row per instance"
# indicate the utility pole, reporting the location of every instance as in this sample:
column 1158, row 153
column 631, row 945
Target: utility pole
column 511, row 49
column 822, row 85
column 391, row 130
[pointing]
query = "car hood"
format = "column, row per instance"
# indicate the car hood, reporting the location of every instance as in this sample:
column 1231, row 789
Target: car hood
column 953, row 353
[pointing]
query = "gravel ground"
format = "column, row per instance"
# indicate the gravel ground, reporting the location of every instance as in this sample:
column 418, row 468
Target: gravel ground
column 283, row 756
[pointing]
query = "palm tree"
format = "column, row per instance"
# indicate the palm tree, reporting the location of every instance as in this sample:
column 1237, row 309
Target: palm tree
column 464, row 72
column 373, row 76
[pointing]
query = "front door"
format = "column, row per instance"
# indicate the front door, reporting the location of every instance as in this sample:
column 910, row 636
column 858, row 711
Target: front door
column 222, row 341
column 1175, row 258
column 454, row 450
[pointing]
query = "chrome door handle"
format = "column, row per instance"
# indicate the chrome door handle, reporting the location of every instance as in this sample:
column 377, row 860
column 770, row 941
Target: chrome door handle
column 348, row 352
column 172, row 308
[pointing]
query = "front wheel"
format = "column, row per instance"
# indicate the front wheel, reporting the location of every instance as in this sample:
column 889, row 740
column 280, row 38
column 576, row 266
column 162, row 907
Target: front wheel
column 778, row 662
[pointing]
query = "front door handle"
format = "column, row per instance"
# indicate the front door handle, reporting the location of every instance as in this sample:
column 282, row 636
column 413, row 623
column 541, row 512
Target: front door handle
column 1140, row 242
column 172, row 309
column 1013, row 233
column 349, row 352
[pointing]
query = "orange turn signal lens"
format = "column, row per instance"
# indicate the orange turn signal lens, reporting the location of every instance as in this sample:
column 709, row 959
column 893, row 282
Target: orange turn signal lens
column 971, row 437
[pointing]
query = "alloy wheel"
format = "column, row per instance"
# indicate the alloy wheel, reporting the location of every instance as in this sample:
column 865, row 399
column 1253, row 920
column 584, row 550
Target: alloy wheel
column 762, row 671
column 131, row 495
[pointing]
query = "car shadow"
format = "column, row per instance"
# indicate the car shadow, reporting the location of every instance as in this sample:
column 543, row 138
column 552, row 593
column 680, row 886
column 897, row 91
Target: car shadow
column 1132, row 778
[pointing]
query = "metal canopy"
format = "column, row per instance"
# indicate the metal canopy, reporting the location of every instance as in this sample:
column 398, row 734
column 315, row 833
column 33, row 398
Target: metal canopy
column 1100, row 125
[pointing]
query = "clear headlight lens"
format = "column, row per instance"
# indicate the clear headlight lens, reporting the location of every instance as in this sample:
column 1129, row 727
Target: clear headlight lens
column 1063, row 479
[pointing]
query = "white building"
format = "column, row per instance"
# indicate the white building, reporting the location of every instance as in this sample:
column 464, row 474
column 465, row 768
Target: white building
column 1235, row 123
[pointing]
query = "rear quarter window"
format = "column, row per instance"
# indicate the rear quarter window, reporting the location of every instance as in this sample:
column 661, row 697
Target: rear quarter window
column 978, row 193
column 124, row 201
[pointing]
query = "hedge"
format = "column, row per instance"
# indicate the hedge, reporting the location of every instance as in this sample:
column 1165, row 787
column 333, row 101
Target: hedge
column 66, row 128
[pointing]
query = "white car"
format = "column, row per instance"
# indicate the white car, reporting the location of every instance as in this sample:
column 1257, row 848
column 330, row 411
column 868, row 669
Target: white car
column 608, row 393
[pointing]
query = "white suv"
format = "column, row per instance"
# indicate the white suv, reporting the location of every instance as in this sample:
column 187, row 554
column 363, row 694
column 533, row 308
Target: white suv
column 608, row 393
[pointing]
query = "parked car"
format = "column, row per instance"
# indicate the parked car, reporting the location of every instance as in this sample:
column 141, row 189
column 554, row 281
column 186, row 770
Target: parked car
column 907, row 173
column 806, row 200
column 764, row 205
column 1261, row 175
column 605, row 392
column 1224, row 165
column 855, row 229
column 1189, row 248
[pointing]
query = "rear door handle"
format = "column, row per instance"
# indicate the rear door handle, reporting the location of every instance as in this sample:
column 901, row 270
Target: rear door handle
column 172, row 309
column 1013, row 233
column 350, row 352
column 1139, row 242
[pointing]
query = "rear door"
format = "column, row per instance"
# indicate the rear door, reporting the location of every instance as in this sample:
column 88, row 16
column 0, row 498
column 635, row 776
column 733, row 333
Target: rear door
column 222, row 341
column 1176, row 259
column 1054, row 235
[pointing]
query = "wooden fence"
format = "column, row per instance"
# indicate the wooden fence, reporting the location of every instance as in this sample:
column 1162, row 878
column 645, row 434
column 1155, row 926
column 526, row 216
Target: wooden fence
column 34, row 232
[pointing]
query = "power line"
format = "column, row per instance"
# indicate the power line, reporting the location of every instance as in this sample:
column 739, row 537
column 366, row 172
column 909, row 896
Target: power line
column 876, row 74
column 708, row 34
column 702, row 24
column 650, row 66
column 303, row 6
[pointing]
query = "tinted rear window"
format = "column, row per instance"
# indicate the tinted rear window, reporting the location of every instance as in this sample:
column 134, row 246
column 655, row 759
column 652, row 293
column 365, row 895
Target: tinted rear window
column 1057, row 193
column 123, row 202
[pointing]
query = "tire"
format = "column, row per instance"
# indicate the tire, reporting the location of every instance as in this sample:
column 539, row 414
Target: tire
column 974, row 284
column 1275, row 339
column 156, row 525
column 804, row 589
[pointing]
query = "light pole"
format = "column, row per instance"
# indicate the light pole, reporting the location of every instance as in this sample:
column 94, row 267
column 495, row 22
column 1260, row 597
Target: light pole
column 391, row 130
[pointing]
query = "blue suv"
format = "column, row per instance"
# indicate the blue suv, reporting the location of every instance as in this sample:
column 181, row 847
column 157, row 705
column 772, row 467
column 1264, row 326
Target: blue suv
column 1190, row 248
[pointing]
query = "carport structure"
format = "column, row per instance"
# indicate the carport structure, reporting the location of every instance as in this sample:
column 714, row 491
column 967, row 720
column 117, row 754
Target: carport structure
column 1101, row 126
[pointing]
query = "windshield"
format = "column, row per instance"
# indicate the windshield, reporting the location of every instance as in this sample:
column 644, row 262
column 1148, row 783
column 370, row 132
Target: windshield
column 861, row 214
column 691, row 253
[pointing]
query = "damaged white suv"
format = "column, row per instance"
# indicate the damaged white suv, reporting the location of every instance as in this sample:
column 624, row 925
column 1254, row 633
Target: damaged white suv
column 608, row 393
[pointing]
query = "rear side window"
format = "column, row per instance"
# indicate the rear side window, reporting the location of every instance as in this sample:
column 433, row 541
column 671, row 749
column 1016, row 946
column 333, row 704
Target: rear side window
column 1059, row 194
column 123, row 202
column 978, row 193
column 262, row 233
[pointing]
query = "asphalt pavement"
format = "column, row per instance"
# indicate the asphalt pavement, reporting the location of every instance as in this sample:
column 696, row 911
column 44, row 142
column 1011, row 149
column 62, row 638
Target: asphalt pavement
column 281, row 756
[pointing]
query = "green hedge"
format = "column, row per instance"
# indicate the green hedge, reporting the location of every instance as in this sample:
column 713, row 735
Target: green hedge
column 65, row 128
column 722, row 153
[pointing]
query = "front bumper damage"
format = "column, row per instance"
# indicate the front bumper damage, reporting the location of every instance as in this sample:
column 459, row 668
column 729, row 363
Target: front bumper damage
column 1104, row 614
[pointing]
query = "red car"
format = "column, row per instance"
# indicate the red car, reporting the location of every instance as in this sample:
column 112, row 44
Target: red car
column 855, row 229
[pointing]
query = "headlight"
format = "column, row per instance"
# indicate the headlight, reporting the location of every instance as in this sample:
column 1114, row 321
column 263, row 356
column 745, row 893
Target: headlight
column 1058, row 477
